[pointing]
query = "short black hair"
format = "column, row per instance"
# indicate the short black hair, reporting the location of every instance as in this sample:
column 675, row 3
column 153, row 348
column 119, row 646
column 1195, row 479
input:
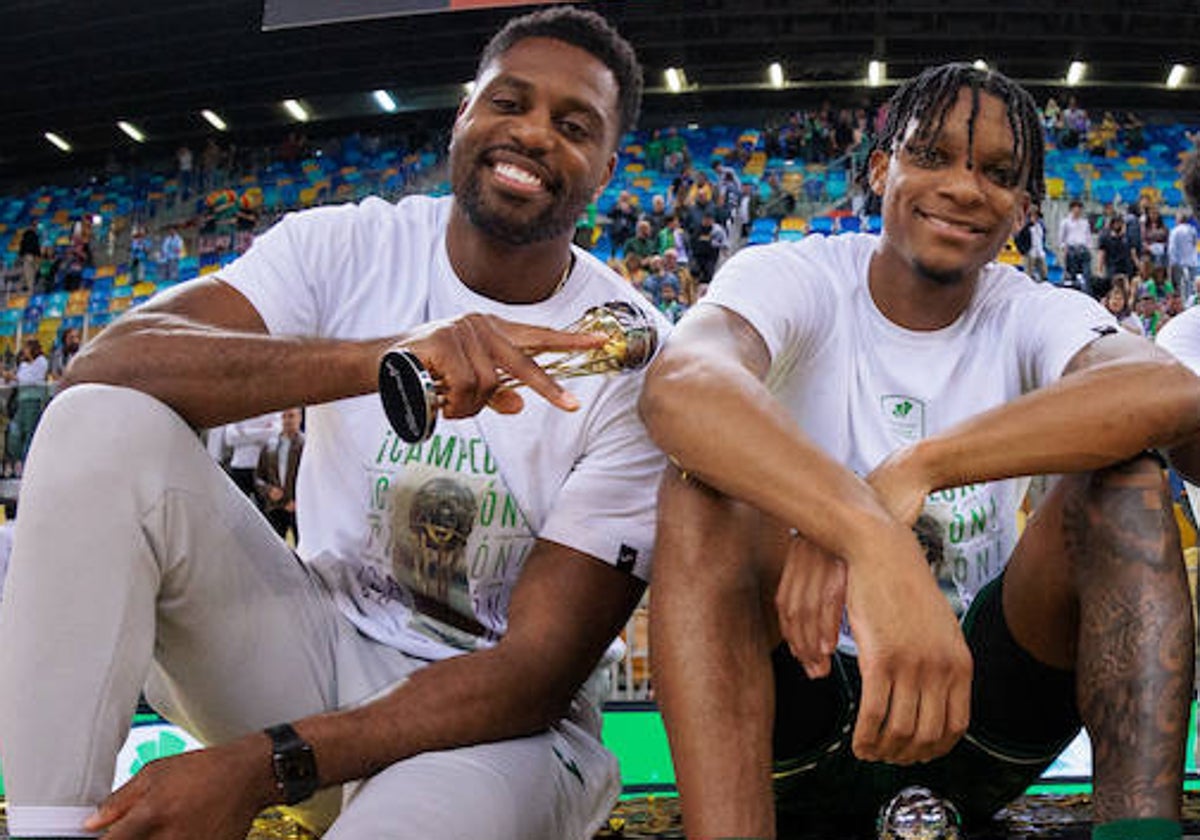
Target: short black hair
column 591, row 33
column 1190, row 174
column 929, row 97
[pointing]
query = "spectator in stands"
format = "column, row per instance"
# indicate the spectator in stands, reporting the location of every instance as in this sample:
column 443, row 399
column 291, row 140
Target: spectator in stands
column 1031, row 243
column 652, row 279
column 654, row 152
column 668, row 303
column 246, row 440
column 1154, row 241
column 62, row 352
column 747, row 211
column 676, row 155
column 1115, row 254
column 448, row 703
column 170, row 253
column 687, row 283
column 30, row 254
column 31, row 397
column 823, row 359
column 1119, row 302
column 1181, row 257
column 275, row 475
column 1075, row 243
column 657, row 217
column 184, row 162
column 707, row 245
column 778, row 202
column 621, row 221
column 139, row 253
column 643, row 244
column 1150, row 311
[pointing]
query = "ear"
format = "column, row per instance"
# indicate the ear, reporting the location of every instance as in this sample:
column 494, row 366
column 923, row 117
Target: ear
column 1021, row 214
column 877, row 169
column 609, row 169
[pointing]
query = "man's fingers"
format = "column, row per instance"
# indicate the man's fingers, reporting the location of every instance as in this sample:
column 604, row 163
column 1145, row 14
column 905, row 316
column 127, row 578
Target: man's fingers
column 532, row 340
column 115, row 806
column 872, row 713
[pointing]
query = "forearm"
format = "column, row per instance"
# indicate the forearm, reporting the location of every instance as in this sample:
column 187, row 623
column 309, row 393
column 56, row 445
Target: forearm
column 477, row 698
column 756, row 452
column 1087, row 420
column 212, row 376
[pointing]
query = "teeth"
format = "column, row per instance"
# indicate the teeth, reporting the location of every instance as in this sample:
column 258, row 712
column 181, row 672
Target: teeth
column 514, row 173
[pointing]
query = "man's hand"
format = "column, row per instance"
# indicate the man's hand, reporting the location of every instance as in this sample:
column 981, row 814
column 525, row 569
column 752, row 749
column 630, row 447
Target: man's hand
column 467, row 357
column 210, row 794
column 900, row 485
column 810, row 600
column 274, row 493
column 915, row 664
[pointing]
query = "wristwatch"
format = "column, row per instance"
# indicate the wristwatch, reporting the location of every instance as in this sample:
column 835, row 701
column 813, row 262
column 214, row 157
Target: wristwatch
column 293, row 762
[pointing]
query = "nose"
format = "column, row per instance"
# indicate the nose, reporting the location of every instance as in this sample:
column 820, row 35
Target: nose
column 533, row 129
column 961, row 183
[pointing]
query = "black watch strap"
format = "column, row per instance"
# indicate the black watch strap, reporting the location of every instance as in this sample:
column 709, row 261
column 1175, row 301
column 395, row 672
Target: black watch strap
column 293, row 762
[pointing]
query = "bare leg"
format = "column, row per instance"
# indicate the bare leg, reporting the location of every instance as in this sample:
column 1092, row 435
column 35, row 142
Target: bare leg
column 1098, row 584
column 710, row 641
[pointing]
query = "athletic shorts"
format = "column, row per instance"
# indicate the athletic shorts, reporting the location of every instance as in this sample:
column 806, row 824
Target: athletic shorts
column 1023, row 714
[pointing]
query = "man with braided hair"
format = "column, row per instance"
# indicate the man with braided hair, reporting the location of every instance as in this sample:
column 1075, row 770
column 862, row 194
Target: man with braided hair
column 850, row 418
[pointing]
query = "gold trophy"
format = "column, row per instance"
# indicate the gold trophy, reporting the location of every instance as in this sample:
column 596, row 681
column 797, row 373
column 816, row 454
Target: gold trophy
column 410, row 394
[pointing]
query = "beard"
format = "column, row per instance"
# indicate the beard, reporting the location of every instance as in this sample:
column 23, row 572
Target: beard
column 516, row 228
column 940, row 276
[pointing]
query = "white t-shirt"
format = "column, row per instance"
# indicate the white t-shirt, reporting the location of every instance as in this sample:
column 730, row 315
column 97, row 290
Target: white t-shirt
column 1181, row 338
column 861, row 386
column 421, row 544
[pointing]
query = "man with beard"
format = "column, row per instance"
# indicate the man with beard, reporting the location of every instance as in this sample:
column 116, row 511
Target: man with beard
column 861, row 386
column 467, row 712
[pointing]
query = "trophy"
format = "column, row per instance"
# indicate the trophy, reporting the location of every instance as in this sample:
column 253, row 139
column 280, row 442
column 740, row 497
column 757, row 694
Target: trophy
column 917, row 813
column 411, row 397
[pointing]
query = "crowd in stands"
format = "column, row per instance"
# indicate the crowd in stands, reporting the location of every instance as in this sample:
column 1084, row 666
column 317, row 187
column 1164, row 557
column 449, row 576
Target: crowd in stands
column 683, row 199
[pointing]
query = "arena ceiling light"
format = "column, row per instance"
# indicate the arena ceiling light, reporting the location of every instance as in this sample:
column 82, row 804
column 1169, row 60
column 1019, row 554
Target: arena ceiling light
column 132, row 131
column 214, row 119
column 775, row 75
column 298, row 112
column 980, row 64
column 385, row 101
column 1076, row 72
column 57, row 141
column 676, row 79
column 469, row 87
column 1176, row 76
column 876, row 72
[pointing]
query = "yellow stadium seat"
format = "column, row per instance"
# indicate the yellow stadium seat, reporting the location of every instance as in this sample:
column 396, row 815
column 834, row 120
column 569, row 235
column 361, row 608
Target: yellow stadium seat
column 1055, row 187
column 106, row 271
column 18, row 301
column 634, row 168
column 144, row 289
column 643, row 183
column 793, row 223
column 1187, row 531
column 119, row 304
column 1133, row 175
column 1136, row 160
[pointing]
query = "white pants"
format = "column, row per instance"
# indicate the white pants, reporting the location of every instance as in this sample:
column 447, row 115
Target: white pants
column 137, row 563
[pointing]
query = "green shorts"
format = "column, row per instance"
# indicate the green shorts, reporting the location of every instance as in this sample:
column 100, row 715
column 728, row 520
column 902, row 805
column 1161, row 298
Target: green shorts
column 1023, row 714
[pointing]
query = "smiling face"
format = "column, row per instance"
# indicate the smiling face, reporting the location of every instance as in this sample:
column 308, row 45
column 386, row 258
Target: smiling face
column 951, row 201
column 535, row 142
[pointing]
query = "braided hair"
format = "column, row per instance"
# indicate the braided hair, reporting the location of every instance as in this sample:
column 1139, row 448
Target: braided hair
column 929, row 97
column 1190, row 175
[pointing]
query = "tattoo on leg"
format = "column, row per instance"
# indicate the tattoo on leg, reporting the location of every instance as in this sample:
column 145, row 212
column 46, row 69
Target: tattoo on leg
column 1135, row 653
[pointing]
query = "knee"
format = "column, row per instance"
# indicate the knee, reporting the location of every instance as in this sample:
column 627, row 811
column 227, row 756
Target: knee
column 91, row 424
column 1125, row 520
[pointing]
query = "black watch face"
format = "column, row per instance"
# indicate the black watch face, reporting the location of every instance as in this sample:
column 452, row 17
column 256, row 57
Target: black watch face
column 295, row 767
column 406, row 391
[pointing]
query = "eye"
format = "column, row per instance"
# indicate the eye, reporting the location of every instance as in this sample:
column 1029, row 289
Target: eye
column 927, row 157
column 505, row 104
column 1004, row 176
column 574, row 129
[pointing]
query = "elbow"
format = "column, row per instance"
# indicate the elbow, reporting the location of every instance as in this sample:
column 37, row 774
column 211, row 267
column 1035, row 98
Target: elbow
column 664, row 393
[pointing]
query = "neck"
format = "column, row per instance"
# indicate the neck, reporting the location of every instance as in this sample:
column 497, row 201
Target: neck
column 911, row 300
column 503, row 272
